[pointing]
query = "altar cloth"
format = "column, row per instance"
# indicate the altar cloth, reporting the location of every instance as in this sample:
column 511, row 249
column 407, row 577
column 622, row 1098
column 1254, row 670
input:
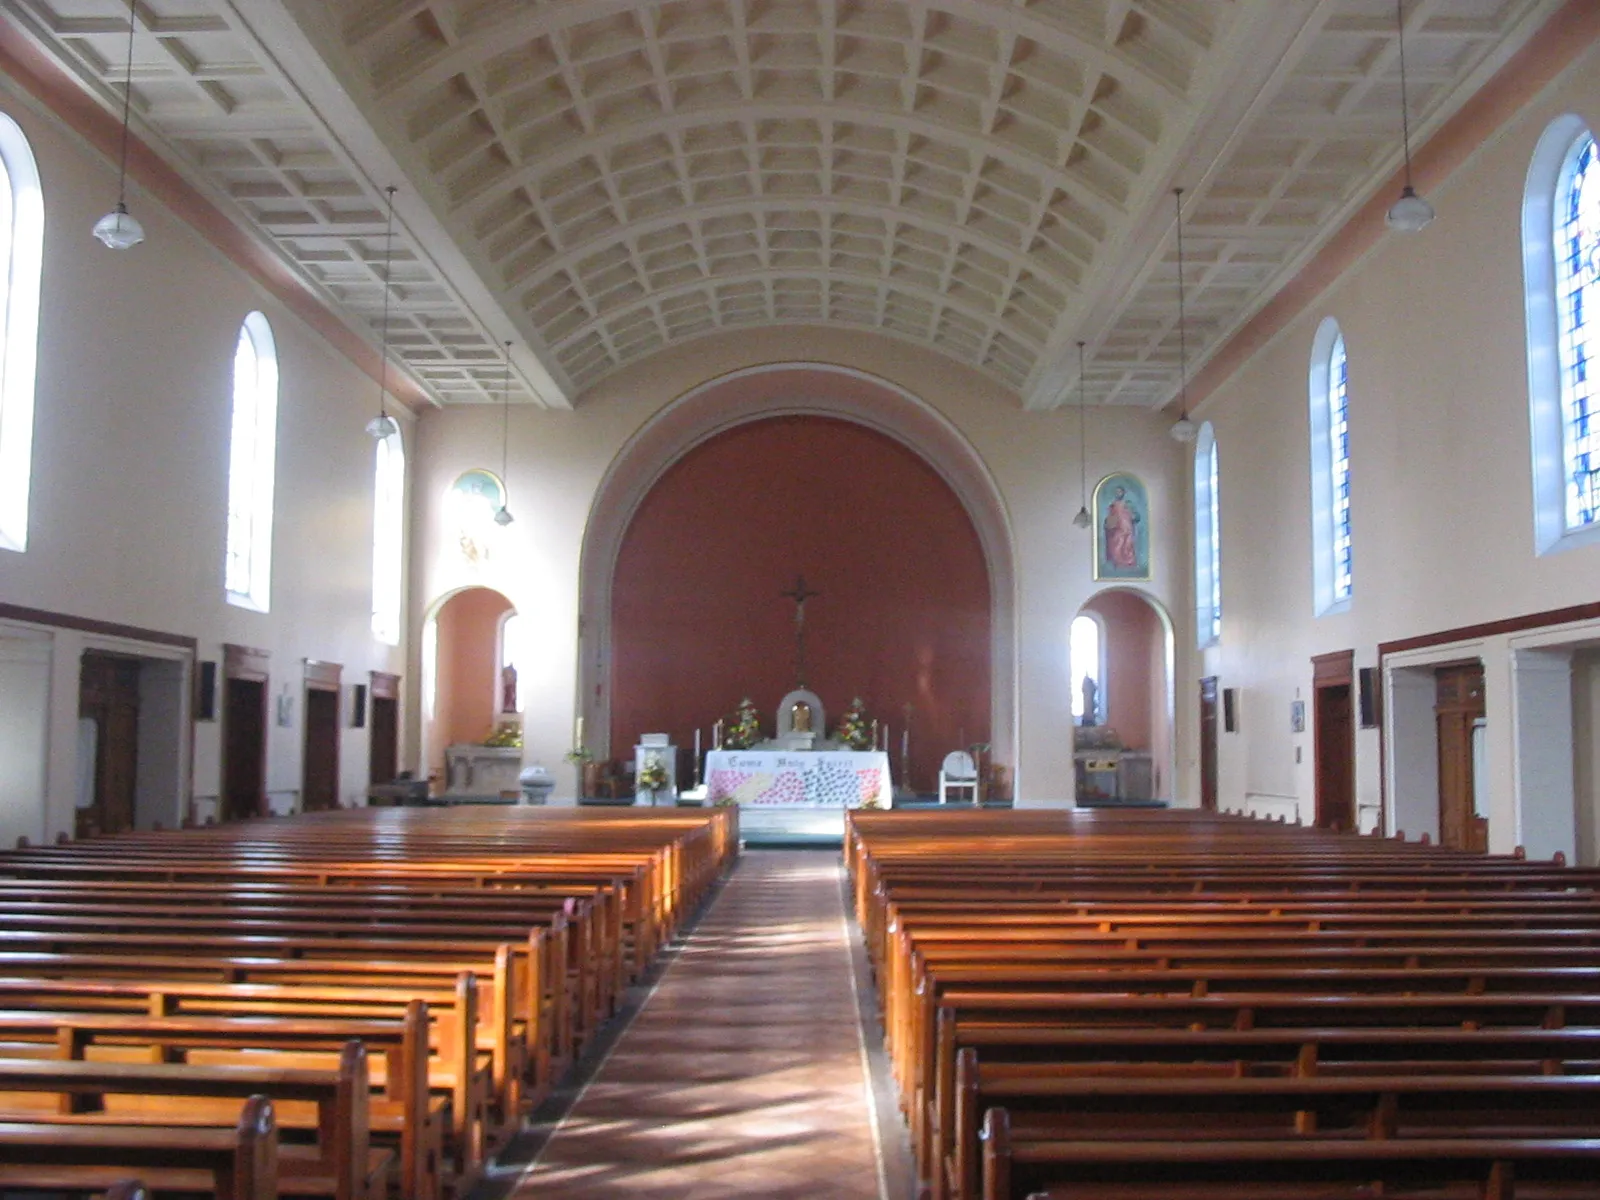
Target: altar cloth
column 799, row 778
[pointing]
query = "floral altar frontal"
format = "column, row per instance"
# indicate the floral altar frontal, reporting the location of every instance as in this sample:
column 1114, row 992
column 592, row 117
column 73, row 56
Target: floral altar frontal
column 805, row 779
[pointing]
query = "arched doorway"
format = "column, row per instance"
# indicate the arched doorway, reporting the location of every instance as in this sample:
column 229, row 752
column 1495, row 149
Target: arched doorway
column 1122, row 640
column 469, row 640
column 700, row 616
column 786, row 389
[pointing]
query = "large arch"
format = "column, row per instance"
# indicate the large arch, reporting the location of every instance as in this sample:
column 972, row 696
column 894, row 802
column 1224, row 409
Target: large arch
column 791, row 389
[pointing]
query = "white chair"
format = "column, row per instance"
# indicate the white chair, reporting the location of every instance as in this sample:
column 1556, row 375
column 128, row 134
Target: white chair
column 957, row 774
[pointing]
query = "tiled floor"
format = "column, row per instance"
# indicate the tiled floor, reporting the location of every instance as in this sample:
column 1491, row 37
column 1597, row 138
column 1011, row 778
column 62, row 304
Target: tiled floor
column 743, row 1074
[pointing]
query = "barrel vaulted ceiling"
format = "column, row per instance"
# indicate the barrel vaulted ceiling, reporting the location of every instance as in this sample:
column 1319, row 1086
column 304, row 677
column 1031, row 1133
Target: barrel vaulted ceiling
column 597, row 180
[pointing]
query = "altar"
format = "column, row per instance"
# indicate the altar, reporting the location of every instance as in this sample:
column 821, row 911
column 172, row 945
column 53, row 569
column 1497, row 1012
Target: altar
column 818, row 779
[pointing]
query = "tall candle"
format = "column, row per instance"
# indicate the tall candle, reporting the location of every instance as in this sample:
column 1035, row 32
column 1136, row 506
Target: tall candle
column 697, row 745
column 577, row 737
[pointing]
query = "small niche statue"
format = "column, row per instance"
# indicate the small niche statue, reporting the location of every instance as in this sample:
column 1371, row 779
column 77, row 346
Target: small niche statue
column 1091, row 701
column 800, row 716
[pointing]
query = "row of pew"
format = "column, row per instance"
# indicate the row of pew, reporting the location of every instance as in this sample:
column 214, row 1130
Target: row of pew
column 1103, row 1005
column 355, row 1005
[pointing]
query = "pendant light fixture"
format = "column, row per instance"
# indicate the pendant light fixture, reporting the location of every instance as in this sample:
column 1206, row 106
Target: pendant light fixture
column 383, row 425
column 503, row 515
column 117, row 229
column 1082, row 519
column 1183, row 429
column 1411, row 213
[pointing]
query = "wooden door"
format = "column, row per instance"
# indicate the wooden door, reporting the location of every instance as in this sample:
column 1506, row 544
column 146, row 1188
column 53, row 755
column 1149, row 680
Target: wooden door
column 383, row 760
column 108, row 695
column 1335, row 758
column 319, row 782
column 1458, row 705
column 1334, row 750
column 244, row 749
column 1208, row 743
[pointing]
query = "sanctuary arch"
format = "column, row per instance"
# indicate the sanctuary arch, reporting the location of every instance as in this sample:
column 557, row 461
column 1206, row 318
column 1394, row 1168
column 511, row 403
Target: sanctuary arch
column 1130, row 744
column 793, row 390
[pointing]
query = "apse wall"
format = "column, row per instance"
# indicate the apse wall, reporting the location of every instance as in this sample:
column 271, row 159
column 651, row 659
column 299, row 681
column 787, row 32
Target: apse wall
column 903, row 614
column 1440, row 476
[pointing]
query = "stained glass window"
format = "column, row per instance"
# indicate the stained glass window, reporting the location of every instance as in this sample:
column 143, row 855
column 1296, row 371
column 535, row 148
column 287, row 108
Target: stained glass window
column 1207, row 539
column 1339, row 466
column 1577, row 243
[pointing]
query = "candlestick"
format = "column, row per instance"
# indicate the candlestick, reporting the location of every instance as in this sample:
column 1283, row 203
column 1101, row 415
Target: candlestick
column 577, row 737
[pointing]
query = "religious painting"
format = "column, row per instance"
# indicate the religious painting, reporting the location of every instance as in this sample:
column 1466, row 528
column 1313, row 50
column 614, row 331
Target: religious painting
column 473, row 501
column 1121, row 528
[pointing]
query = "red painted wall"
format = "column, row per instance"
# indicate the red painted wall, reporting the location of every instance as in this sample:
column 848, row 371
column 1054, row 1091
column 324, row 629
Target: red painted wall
column 1135, row 651
column 468, row 671
column 903, row 614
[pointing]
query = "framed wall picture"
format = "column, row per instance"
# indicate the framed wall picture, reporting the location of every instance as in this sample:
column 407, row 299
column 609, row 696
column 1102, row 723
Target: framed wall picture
column 1121, row 528
column 1297, row 716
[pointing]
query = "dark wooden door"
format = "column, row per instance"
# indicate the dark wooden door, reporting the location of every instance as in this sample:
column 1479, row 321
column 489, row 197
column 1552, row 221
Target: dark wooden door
column 1458, row 706
column 244, row 748
column 319, row 777
column 384, row 759
column 1208, row 743
column 108, row 695
column 1336, row 753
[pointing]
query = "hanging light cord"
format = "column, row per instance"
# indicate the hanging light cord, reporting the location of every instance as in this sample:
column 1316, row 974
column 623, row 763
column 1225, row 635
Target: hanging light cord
column 1405, row 108
column 1183, row 348
column 127, row 101
column 388, row 259
column 1083, row 448
column 505, row 414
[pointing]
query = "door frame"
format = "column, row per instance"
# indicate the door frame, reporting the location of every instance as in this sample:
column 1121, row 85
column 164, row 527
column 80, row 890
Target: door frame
column 245, row 664
column 1210, row 748
column 320, row 677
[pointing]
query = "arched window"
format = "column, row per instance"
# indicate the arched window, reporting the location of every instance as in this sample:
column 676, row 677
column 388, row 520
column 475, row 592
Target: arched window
column 1330, row 471
column 1207, row 540
column 388, row 537
column 21, row 261
column 1561, row 275
column 252, row 461
column 1088, row 649
column 513, row 655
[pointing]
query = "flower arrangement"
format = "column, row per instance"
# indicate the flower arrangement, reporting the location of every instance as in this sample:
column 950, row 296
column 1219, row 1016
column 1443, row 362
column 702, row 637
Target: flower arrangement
column 854, row 730
column 744, row 730
column 505, row 735
column 652, row 774
column 579, row 755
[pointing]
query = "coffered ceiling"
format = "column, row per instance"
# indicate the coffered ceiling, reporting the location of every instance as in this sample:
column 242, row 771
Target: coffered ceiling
column 597, row 180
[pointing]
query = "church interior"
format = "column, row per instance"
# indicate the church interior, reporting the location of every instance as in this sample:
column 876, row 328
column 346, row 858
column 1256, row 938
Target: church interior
column 896, row 598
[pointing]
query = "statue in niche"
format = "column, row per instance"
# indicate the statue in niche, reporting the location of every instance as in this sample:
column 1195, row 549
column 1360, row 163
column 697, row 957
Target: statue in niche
column 508, row 689
column 800, row 717
column 1091, row 701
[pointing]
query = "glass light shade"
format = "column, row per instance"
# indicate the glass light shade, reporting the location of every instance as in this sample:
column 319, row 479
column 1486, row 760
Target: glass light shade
column 502, row 516
column 382, row 426
column 1183, row 429
column 1410, row 213
column 118, row 230
column 1082, row 519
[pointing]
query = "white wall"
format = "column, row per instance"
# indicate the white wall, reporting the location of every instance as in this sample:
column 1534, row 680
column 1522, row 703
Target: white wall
column 1440, row 475
column 130, row 461
column 24, row 718
column 558, row 460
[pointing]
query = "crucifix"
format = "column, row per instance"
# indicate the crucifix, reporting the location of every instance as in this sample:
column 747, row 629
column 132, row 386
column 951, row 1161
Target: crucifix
column 799, row 594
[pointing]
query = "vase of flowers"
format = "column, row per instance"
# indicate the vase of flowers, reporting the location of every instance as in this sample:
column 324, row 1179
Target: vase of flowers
column 588, row 770
column 744, row 729
column 652, row 775
column 854, row 731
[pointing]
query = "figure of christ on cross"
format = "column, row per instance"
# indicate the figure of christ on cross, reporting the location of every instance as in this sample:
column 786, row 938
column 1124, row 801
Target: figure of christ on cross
column 799, row 594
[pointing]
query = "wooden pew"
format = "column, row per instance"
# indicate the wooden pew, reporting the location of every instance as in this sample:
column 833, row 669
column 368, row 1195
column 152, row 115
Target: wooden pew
column 231, row 1164
column 340, row 1164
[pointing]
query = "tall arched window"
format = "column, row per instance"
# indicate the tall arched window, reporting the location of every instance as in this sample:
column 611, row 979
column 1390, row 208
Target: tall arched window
column 388, row 537
column 1088, row 649
column 1332, row 581
column 21, row 261
column 1561, row 274
column 1207, row 540
column 252, row 462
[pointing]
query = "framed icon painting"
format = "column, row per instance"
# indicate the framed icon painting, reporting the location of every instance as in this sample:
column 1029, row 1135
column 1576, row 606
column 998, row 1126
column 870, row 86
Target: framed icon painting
column 1121, row 528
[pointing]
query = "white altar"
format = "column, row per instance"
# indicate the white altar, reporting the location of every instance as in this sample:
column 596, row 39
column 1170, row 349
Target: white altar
column 483, row 771
column 809, row 779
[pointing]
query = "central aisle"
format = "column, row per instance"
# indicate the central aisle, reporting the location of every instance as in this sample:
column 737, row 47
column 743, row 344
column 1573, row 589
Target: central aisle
column 744, row 1074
